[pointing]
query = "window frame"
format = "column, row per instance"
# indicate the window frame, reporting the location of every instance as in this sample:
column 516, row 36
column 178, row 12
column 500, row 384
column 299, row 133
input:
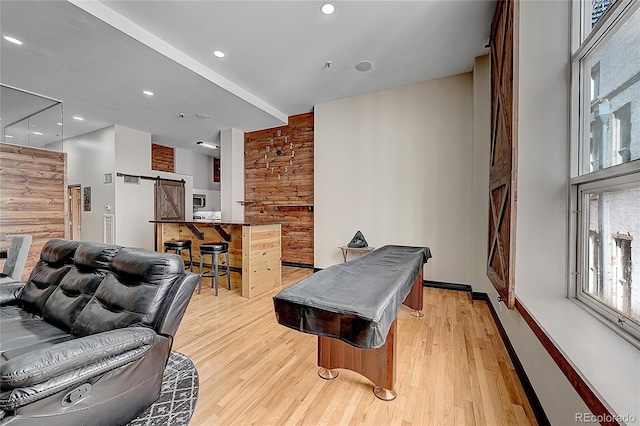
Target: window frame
column 628, row 327
column 582, row 181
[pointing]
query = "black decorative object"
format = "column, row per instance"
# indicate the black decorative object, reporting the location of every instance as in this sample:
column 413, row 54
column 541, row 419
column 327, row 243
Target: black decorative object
column 358, row 241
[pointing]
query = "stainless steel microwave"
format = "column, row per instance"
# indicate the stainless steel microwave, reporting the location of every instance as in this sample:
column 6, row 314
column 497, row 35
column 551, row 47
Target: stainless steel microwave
column 199, row 201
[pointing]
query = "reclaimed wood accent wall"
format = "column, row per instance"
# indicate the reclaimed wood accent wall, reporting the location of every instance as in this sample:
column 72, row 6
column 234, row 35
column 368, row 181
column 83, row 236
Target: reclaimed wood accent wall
column 278, row 166
column 162, row 158
column 504, row 149
column 33, row 192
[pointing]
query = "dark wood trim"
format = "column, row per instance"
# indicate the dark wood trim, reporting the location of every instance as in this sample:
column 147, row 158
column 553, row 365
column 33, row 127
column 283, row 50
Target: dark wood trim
column 536, row 406
column 299, row 265
column 447, row 286
column 195, row 231
column 588, row 396
column 157, row 178
column 224, row 234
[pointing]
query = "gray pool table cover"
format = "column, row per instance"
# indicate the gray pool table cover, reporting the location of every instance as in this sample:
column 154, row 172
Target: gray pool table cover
column 356, row 301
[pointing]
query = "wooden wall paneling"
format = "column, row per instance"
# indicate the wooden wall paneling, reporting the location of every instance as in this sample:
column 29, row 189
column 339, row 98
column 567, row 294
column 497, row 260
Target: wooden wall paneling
column 261, row 259
column 503, row 157
column 162, row 158
column 281, row 185
column 33, row 197
column 169, row 200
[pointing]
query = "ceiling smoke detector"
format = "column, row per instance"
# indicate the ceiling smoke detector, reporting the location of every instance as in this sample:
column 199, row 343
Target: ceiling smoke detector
column 364, row 66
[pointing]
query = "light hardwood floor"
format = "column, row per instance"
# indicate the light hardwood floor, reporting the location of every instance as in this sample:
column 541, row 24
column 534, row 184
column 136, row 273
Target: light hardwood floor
column 452, row 367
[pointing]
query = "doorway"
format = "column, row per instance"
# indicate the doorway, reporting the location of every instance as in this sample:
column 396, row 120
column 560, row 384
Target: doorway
column 75, row 212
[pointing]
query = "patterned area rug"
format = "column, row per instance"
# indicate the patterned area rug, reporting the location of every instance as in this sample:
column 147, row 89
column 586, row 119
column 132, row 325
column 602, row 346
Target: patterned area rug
column 178, row 395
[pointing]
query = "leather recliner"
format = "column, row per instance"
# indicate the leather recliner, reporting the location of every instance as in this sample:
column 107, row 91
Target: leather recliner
column 86, row 339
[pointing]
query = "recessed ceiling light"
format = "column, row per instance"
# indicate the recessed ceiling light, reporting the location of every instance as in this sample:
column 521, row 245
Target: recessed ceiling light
column 76, row 117
column 364, row 66
column 13, row 40
column 207, row 144
column 328, row 8
column 8, row 136
column 218, row 54
column 37, row 133
column 59, row 124
column 148, row 92
column 202, row 116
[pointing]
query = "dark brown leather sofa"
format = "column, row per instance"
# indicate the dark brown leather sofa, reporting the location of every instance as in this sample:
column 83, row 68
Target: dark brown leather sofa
column 86, row 339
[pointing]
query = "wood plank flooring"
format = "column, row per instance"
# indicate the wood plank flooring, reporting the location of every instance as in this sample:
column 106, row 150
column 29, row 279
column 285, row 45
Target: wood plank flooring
column 452, row 367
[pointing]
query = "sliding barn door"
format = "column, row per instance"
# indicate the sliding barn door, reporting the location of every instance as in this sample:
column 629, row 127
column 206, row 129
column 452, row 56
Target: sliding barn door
column 169, row 200
column 503, row 171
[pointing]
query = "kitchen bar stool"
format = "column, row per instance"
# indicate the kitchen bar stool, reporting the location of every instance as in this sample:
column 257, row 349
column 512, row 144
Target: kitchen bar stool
column 215, row 250
column 178, row 246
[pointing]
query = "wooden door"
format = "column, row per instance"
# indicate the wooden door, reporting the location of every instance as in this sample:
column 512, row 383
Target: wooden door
column 75, row 213
column 169, row 196
column 503, row 171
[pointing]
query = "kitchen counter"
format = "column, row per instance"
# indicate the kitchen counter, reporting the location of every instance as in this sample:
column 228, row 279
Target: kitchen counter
column 255, row 248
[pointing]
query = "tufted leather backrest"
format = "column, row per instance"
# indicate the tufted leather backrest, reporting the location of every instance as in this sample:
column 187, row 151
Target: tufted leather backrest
column 136, row 291
column 55, row 261
column 91, row 264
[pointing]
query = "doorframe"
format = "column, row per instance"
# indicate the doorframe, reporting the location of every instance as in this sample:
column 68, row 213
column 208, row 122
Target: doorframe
column 75, row 219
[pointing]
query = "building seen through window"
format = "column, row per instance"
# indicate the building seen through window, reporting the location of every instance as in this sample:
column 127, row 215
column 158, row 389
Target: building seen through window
column 607, row 179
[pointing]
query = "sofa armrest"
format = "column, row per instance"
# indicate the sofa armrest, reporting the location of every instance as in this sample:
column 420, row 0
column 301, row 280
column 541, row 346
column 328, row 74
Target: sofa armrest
column 176, row 305
column 104, row 351
column 9, row 293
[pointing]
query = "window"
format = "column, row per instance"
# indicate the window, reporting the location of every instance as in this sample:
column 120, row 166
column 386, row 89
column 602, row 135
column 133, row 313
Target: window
column 606, row 181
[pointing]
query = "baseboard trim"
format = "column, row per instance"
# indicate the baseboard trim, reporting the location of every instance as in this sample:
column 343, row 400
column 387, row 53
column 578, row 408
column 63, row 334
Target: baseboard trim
column 447, row 286
column 297, row 265
column 536, row 406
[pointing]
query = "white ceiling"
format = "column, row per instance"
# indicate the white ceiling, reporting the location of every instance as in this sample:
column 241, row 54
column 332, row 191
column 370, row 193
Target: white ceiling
column 97, row 57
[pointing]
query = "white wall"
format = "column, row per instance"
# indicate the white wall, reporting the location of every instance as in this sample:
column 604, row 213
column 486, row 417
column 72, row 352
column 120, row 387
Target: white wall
column 89, row 157
column 560, row 401
column 397, row 165
column 200, row 166
column 232, row 174
column 481, row 158
column 135, row 203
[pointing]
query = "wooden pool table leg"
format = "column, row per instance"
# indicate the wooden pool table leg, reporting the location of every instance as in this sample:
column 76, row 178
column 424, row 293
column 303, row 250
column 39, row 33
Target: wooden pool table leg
column 414, row 299
column 377, row 365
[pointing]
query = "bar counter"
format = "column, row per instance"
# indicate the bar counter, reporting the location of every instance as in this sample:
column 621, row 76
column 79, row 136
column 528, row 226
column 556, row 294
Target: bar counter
column 255, row 248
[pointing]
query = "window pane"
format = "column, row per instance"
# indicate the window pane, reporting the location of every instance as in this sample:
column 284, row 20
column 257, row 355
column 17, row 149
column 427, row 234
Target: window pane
column 613, row 245
column 615, row 98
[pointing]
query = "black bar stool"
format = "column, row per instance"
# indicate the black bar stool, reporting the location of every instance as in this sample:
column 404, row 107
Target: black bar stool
column 178, row 246
column 215, row 250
